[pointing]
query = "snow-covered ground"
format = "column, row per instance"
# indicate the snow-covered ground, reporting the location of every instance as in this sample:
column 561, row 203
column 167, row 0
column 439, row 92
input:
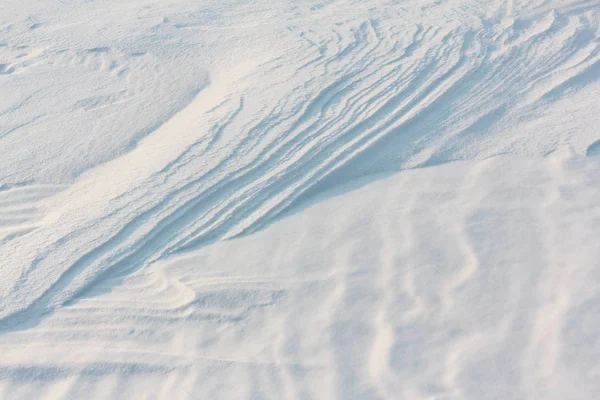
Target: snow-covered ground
column 288, row 199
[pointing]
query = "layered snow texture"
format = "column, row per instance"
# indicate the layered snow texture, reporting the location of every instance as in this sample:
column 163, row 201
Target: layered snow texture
column 280, row 199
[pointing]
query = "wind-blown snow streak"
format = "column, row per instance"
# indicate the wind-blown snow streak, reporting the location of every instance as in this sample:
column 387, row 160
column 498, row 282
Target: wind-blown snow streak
column 378, row 94
column 207, row 123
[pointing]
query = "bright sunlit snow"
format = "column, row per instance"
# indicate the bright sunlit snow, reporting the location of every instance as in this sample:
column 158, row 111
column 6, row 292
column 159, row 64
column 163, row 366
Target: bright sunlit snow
column 285, row 199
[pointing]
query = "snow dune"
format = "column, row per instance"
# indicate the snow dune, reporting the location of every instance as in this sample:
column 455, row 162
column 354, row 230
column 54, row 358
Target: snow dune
column 229, row 199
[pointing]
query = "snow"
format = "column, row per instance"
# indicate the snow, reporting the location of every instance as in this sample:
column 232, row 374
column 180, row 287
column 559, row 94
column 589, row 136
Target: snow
column 319, row 199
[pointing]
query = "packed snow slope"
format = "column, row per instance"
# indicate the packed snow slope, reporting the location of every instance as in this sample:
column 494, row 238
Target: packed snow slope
column 285, row 199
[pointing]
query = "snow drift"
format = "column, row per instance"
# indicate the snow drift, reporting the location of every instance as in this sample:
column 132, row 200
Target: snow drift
column 193, row 201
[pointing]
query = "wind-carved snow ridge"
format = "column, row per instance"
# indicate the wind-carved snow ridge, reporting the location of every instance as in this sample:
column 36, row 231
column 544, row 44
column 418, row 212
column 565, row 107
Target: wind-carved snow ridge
column 190, row 125
column 362, row 96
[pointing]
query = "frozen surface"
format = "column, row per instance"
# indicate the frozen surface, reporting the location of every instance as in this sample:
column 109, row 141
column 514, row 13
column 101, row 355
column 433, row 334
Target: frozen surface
column 283, row 199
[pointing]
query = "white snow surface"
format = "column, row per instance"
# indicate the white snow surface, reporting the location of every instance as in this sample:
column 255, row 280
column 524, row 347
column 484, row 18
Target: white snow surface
column 319, row 199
